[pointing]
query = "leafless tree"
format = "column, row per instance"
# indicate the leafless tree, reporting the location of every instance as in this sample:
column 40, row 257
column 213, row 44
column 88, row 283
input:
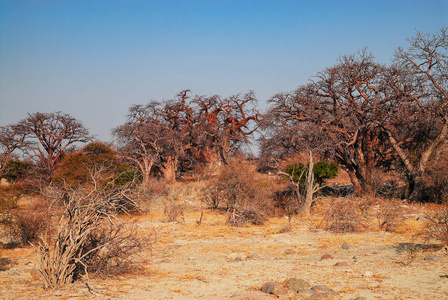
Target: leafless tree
column 46, row 136
column 164, row 134
column 419, row 116
column 335, row 115
column 10, row 140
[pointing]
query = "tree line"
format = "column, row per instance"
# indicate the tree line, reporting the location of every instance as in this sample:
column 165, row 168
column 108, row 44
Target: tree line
column 363, row 115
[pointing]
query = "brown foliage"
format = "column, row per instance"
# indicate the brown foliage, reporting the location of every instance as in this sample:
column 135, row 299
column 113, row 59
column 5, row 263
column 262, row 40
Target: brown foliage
column 436, row 227
column 343, row 215
column 390, row 215
column 242, row 192
column 89, row 236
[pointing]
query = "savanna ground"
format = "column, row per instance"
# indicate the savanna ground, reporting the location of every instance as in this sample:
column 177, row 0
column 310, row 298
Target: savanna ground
column 200, row 256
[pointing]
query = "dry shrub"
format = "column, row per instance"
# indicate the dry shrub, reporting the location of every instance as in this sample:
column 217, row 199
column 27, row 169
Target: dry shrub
column 436, row 177
column 242, row 192
column 113, row 250
column 21, row 226
column 242, row 217
column 390, row 216
column 343, row 215
column 173, row 210
column 90, row 236
column 436, row 227
column 26, row 226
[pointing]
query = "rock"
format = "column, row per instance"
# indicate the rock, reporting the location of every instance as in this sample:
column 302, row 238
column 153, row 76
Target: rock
column 289, row 251
column 4, row 262
column 295, row 284
column 431, row 257
column 305, row 293
column 360, row 298
column 251, row 295
column 35, row 273
column 234, row 256
column 341, row 264
column 367, row 274
column 274, row 289
column 345, row 246
column 326, row 256
column 252, row 256
column 165, row 260
column 322, row 289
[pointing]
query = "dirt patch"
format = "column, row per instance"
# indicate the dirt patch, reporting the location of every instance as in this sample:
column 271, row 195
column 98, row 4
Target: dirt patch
column 215, row 261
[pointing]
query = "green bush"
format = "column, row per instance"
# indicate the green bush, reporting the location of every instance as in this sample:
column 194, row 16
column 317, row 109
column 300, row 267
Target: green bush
column 16, row 170
column 322, row 170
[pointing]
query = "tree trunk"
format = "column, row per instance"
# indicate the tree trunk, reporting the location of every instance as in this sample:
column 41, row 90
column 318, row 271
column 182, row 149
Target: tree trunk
column 355, row 181
column 309, row 188
column 169, row 168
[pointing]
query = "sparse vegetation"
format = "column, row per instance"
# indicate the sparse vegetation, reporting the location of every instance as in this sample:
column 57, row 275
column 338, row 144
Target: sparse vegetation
column 436, row 227
column 385, row 126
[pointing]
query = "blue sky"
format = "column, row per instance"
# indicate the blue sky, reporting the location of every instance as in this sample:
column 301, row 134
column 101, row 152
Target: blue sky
column 94, row 59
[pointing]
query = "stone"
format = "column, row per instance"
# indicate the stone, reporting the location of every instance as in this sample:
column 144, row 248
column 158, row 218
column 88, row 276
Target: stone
column 305, row 293
column 235, row 256
column 326, row 256
column 251, row 295
column 345, row 246
column 431, row 257
column 322, row 289
column 367, row 274
column 289, row 251
column 274, row 289
column 252, row 256
column 360, row 298
column 341, row 264
column 295, row 284
column 35, row 273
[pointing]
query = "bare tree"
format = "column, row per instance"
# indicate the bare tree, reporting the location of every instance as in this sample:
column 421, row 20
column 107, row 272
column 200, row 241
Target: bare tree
column 420, row 113
column 336, row 114
column 166, row 134
column 48, row 135
column 225, row 124
column 10, row 140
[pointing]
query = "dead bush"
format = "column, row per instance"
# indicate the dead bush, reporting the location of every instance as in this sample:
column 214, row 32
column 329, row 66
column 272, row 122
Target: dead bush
column 173, row 210
column 436, row 227
column 113, row 250
column 241, row 217
column 89, row 236
column 390, row 216
column 343, row 216
column 26, row 226
column 245, row 194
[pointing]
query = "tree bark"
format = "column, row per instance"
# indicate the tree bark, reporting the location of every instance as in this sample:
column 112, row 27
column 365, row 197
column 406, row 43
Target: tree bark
column 310, row 189
column 169, row 168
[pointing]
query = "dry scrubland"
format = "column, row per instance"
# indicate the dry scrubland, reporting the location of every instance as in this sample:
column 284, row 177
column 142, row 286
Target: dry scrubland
column 213, row 260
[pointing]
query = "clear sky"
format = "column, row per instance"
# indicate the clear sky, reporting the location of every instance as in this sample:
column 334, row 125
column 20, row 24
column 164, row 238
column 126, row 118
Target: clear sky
column 94, row 59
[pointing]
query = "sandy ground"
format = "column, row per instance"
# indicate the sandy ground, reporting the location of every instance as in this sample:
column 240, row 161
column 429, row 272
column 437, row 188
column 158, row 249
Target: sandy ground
column 215, row 261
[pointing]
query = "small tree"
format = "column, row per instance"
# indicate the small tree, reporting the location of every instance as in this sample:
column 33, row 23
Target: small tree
column 310, row 178
column 77, row 167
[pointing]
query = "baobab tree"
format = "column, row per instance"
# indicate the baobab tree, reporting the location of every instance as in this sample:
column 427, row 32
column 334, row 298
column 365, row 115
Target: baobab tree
column 335, row 115
column 420, row 112
column 163, row 134
column 47, row 136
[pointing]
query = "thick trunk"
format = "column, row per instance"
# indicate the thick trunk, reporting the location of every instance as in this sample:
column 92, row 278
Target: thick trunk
column 169, row 169
column 356, row 183
column 416, row 188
